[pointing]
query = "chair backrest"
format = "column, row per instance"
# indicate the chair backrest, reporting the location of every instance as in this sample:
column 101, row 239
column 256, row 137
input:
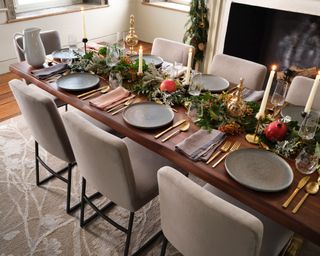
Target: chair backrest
column 197, row 222
column 43, row 118
column 299, row 91
column 171, row 51
column 103, row 159
column 50, row 40
column 233, row 68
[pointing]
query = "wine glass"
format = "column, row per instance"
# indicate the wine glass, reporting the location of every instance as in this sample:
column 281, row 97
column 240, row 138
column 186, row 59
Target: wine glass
column 309, row 126
column 306, row 162
column 196, row 84
column 195, row 111
column 279, row 95
column 72, row 42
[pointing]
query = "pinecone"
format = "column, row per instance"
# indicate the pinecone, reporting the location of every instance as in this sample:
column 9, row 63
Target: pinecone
column 231, row 128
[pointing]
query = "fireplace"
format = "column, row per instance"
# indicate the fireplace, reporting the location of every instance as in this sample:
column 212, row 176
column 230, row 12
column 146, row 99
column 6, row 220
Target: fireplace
column 271, row 34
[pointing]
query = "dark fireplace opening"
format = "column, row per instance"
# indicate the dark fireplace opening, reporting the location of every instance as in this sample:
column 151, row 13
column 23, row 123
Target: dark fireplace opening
column 269, row 36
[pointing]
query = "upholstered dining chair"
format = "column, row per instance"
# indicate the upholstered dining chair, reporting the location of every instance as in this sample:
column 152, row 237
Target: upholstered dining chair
column 299, row 91
column 199, row 221
column 120, row 169
column 233, row 68
column 171, row 51
column 43, row 118
column 50, row 40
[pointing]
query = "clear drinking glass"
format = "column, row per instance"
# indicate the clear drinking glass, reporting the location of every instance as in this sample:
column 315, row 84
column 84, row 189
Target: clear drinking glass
column 309, row 126
column 67, row 57
column 196, row 84
column 115, row 79
column 195, row 111
column 306, row 162
column 279, row 94
column 72, row 42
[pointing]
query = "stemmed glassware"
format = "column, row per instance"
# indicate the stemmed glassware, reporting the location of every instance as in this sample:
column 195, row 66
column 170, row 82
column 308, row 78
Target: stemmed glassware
column 279, row 96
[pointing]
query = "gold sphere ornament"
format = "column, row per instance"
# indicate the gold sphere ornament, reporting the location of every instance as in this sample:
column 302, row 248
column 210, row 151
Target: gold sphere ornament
column 132, row 38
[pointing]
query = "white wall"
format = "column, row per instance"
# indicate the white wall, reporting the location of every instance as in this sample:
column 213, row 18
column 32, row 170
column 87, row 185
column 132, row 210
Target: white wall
column 154, row 22
column 100, row 22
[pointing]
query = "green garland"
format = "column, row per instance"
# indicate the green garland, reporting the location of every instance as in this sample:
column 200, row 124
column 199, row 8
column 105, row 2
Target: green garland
column 197, row 28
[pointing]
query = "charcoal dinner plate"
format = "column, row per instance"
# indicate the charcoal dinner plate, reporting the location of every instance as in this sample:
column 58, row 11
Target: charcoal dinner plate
column 78, row 81
column 211, row 83
column 294, row 112
column 148, row 115
column 150, row 59
column 259, row 169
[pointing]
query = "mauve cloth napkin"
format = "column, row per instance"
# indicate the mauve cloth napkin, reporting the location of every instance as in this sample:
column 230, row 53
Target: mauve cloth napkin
column 107, row 99
column 201, row 144
column 252, row 95
column 50, row 71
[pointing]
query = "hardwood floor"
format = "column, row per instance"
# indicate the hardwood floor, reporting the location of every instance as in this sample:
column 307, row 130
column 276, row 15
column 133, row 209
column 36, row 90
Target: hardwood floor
column 8, row 105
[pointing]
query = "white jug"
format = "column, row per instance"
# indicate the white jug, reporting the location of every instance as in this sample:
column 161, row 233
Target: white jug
column 33, row 47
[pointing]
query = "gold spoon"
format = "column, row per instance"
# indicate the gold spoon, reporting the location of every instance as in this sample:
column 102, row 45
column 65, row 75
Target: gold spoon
column 183, row 128
column 101, row 91
column 311, row 188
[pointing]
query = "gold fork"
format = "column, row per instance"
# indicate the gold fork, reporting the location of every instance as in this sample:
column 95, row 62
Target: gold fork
column 234, row 147
column 225, row 147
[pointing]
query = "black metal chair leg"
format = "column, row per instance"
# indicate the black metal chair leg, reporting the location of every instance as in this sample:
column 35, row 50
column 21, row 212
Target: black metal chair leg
column 69, row 183
column 36, row 147
column 164, row 246
column 126, row 250
column 66, row 107
column 83, row 193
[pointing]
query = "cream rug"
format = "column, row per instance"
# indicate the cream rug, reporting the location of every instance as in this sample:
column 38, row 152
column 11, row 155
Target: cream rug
column 33, row 220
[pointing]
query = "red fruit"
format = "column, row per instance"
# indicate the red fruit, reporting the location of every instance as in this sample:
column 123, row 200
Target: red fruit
column 276, row 131
column 168, row 85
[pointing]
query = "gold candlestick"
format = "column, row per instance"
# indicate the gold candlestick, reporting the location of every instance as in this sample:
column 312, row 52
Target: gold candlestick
column 253, row 138
column 132, row 38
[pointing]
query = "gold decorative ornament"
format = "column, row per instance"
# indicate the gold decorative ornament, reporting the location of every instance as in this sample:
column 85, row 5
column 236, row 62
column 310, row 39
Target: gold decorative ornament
column 236, row 106
column 132, row 38
column 201, row 46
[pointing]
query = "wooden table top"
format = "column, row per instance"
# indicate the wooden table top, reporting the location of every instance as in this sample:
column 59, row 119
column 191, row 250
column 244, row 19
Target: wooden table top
column 306, row 222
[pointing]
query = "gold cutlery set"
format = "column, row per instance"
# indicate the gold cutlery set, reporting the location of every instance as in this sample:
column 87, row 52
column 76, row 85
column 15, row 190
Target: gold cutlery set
column 311, row 187
column 183, row 127
column 91, row 93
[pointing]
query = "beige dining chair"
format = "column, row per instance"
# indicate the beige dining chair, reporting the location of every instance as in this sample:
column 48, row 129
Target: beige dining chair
column 299, row 90
column 204, row 221
column 50, row 39
column 233, row 68
column 171, row 51
column 43, row 118
column 120, row 169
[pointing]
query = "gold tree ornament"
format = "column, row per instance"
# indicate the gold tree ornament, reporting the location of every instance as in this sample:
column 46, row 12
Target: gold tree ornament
column 236, row 106
column 132, row 38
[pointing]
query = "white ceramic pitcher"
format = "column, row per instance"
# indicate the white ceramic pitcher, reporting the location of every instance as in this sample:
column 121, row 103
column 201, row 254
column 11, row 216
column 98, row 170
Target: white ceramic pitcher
column 33, row 47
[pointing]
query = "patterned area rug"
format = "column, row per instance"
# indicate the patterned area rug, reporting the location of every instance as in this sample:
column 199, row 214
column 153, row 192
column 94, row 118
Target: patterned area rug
column 33, row 220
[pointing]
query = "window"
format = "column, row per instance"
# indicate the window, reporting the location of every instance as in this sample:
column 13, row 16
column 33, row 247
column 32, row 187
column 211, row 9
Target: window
column 186, row 2
column 32, row 5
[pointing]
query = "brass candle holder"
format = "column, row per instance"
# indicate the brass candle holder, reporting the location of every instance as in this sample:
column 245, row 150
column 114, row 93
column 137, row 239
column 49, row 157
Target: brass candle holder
column 253, row 138
column 132, row 38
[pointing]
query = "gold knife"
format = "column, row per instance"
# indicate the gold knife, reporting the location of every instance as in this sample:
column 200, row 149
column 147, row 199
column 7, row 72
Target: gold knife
column 170, row 128
column 92, row 91
column 300, row 185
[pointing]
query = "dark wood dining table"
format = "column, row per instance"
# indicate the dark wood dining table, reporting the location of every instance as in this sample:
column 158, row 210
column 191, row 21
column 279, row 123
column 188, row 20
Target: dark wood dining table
column 306, row 222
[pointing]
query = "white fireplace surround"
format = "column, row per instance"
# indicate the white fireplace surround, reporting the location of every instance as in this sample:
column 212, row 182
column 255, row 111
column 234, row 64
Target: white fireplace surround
column 301, row 6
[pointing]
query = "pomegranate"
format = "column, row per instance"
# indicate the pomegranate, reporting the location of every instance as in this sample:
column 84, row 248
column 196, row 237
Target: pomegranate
column 168, row 85
column 276, row 131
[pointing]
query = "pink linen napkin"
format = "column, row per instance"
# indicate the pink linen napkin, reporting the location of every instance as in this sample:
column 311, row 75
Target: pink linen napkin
column 201, row 144
column 109, row 98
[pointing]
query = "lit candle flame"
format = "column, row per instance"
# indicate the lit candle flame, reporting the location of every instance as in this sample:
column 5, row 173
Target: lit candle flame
column 274, row 67
column 319, row 72
column 140, row 47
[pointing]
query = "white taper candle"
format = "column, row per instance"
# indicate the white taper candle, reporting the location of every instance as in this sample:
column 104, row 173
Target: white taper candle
column 264, row 101
column 140, row 60
column 84, row 30
column 187, row 78
column 312, row 94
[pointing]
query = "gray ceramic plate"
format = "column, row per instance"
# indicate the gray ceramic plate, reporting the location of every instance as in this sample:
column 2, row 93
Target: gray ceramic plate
column 148, row 115
column 78, row 81
column 156, row 60
column 65, row 53
column 294, row 112
column 211, row 83
column 259, row 169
